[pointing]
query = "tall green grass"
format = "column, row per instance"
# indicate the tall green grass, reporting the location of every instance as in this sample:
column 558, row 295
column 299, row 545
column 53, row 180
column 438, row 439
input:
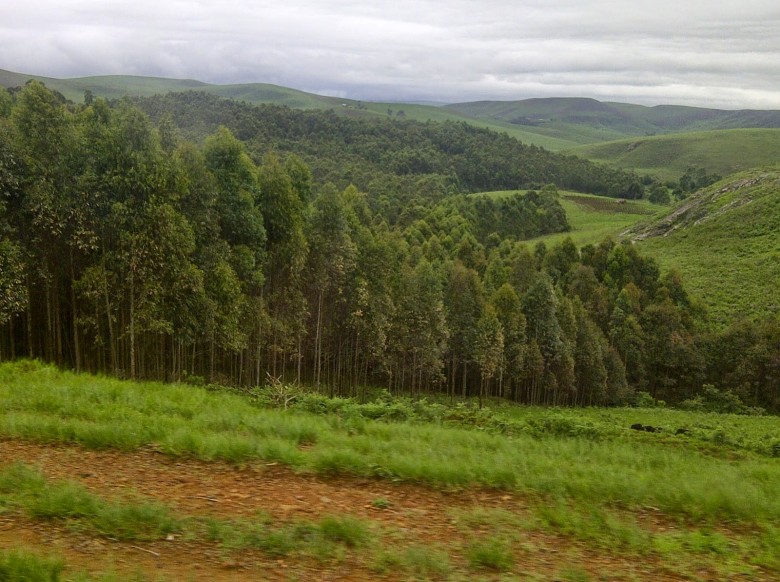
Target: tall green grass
column 19, row 566
column 558, row 457
column 24, row 487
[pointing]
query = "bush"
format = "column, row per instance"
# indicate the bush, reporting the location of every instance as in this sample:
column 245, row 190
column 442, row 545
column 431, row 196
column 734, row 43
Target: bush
column 721, row 401
column 560, row 425
column 29, row 567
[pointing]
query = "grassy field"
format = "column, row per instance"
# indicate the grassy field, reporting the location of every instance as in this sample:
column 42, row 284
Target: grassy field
column 582, row 475
column 594, row 218
column 725, row 241
column 667, row 157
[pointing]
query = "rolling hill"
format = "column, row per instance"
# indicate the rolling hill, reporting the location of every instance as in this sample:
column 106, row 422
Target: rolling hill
column 117, row 86
column 553, row 123
column 590, row 121
column 725, row 240
column 666, row 157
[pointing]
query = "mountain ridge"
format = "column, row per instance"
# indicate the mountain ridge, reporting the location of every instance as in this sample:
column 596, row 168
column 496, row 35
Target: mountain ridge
column 556, row 123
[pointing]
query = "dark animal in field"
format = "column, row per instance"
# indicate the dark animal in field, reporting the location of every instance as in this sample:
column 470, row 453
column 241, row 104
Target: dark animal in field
column 682, row 431
column 646, row 427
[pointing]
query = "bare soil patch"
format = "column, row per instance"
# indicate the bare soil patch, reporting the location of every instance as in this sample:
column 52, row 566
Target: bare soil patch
column 413, row 515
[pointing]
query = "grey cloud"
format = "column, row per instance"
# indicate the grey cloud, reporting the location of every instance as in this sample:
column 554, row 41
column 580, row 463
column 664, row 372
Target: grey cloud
column 668, row 51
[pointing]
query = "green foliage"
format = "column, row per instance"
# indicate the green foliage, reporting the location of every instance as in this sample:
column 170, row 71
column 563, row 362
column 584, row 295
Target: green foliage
column 713, row 400
column 17, row 566
column 23, row 486
column 668, row 157
column 490, row 553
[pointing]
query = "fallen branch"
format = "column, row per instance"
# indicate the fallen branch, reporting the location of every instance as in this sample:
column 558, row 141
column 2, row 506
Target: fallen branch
column 145, row 550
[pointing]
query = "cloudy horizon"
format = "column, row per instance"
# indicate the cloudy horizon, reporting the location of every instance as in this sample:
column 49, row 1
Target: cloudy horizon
column 682, row 52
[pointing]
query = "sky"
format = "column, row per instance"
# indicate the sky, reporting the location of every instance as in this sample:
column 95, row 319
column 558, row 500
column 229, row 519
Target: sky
column 709, row 53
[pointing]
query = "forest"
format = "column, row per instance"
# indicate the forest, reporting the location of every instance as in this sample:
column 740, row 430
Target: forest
column 188, row 238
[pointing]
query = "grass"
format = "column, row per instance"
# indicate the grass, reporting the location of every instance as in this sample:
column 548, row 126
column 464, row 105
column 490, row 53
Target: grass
column 18, row 566
column 422, row 562
column 593, row 218
column 696, row 500
column 728, row 246
column 22, row 565
column 594, row 460
column 667, row 157
column 491, row 553
column 24, row 487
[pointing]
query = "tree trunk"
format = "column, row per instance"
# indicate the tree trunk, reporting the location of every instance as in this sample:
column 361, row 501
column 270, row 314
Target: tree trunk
column 132, row 326
column 74, row 312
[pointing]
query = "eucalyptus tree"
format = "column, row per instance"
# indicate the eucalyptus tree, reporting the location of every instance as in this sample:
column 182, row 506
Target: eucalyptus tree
column 420, row 330
column 234, row 264
column 464, row 301
column 13, row 268
column 488, row 348
column 513, row 323
column 331, row 260
column 540, row 306
column 43, row 144
column 282, row 203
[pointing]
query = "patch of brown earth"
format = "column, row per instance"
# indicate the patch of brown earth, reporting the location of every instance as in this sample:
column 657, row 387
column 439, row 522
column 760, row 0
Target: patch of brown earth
column 413, row 516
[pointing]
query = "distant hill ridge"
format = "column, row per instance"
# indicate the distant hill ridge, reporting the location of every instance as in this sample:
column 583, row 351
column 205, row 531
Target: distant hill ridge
column 556, row 123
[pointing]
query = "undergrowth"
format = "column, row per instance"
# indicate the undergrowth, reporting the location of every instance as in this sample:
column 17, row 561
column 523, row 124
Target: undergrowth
column 587, row 455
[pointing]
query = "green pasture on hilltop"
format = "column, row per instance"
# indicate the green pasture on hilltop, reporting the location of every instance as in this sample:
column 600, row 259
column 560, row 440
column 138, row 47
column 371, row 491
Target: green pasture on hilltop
column 667, row 157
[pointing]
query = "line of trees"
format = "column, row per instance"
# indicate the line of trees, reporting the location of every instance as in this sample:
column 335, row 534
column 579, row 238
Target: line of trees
column 125, row 249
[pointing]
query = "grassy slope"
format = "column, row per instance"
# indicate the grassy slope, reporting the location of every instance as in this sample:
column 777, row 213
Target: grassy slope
column 667, row 157
column 594, row 218
column 730, row 260
column 725, row 240
column 707, row 501
column 592, row 460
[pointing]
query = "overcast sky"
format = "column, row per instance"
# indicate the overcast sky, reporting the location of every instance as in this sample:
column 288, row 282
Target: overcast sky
column 707, row 53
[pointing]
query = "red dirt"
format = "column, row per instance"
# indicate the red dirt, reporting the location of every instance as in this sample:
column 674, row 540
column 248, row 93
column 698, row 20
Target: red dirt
column 416, row 515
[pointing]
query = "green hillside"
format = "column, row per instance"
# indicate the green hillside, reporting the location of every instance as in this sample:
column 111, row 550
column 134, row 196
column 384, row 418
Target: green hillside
column 553, row 123
column 589, row 121
column 725, row 240
column 667, row 157
column 594, row 218
column 117, row 86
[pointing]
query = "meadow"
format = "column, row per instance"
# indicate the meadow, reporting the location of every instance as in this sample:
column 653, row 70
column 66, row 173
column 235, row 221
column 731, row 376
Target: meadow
column 667, row 157
column 594, row 218
column 726, row 246
column 713, row 491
